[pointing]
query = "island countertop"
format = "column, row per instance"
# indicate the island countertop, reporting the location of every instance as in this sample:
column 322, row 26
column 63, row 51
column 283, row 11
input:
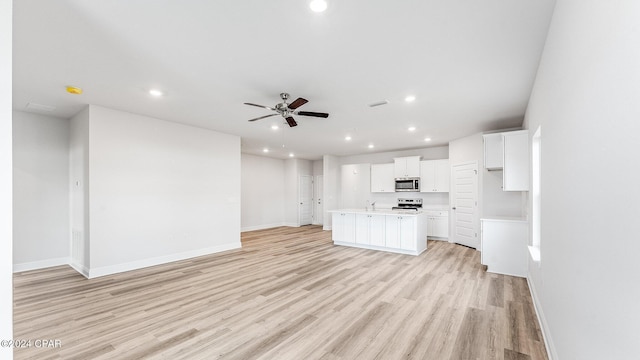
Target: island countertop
column 378, row 211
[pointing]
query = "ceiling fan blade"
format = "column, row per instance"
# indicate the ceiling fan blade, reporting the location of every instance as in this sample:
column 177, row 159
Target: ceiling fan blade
column 261, row 106
column 311, row 113
column 297, row 103
column 262, row 117
column 291, row 122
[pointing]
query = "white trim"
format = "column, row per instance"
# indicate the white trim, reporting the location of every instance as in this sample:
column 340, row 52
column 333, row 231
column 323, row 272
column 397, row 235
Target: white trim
column 41, row 264
column 326, row 227
column 291, row 224
column 139, row 264
column 546, row 335
column 381, row 248
column 534, row 253
column 262, row 227
column 474, row 162
column 80, row 269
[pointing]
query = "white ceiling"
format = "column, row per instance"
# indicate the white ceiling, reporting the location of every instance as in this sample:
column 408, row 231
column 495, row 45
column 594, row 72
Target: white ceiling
column 470, row 63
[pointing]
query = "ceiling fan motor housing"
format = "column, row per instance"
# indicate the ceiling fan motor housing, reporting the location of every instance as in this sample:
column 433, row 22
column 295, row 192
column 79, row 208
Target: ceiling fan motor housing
column 282, row 109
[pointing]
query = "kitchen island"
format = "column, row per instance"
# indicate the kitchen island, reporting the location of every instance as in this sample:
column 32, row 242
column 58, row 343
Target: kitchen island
column 403, row 232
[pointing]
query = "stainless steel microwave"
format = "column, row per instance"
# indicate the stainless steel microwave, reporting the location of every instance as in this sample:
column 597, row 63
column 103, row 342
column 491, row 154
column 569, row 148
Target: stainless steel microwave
column 408, row 184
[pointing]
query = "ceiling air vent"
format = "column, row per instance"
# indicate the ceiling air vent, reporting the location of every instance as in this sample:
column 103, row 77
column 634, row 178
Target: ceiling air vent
column 379, row 103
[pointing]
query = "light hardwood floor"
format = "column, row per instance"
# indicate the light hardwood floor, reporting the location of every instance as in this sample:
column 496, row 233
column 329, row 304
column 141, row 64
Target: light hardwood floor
column 289, row 293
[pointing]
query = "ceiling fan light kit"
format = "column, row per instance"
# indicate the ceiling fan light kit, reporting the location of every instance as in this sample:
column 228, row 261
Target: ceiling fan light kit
column 285, row 110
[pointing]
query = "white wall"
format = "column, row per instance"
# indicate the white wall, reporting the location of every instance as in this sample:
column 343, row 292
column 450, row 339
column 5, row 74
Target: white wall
column 431, row 153
column 40, row 191
column 331, row 188
column 6, row 233
column 586, row 100
column 79, row 191
column 355, row 186
column 263, row 192
column 159, row 191
column 317, row 167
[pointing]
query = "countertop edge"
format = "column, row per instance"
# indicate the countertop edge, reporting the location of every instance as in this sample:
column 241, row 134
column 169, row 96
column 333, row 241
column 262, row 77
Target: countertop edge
column 379, row 212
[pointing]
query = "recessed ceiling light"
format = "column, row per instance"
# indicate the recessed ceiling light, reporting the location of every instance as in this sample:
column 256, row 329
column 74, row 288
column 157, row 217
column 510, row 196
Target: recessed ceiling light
column 412, row 128
column 427, row 139
column 410, row 98
column 318, row 5
column 370, row 146
column 348, row 138
column 291, row 155
column 275, row 127
column 155, row 92
column 265, row 150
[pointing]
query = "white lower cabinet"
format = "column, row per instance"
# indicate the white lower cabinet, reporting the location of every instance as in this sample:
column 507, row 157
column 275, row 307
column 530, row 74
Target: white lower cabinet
column 503, row 245
column 343, row 227
column 388, row 231
column 370, row 229
column 401, row 232
column 438, row 224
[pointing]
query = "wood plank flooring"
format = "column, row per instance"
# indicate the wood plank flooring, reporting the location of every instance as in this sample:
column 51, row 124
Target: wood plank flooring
column 289, row 293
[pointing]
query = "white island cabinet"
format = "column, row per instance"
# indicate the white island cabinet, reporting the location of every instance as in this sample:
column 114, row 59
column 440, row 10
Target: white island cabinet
column 387, row 230
column 344, row 227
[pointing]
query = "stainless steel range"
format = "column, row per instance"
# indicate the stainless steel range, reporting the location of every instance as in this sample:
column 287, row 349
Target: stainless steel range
column 408, row 204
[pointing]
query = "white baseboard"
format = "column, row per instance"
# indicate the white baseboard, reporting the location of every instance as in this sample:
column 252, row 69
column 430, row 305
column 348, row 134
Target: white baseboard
column 290, row 224
column 262, row 227
column 326, row 227
column 114, row 269
column 546, row 336
column 41, row 264
column 139, row 264
column 80, row 268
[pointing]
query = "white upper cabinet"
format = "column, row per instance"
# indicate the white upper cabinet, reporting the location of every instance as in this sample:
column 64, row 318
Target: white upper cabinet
column 493, row 151
column 382, row 178
column 435, row 175
column 509, row 151
column 516, row 161
column 408, row 166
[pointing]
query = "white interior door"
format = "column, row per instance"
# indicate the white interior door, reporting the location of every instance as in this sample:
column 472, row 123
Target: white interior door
column 465, row 205
column 318, row 213
column 305, row 194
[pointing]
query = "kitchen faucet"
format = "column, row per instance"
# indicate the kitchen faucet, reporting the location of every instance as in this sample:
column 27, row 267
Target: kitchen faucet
column 373, row 206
